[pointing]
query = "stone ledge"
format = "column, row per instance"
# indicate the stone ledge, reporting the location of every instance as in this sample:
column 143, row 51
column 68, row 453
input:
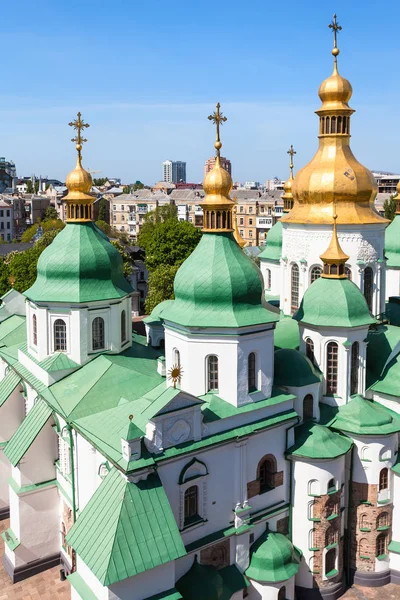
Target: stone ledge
column 371, row 579
column 17, row 574
column 330, row 592
column 4, row 513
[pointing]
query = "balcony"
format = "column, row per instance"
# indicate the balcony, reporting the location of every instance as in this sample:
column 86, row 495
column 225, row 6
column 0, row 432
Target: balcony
column 264, row 222
column 142, row 210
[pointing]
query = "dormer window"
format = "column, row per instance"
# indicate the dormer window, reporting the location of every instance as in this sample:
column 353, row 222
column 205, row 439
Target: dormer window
column 98, row 333
column 60, row 336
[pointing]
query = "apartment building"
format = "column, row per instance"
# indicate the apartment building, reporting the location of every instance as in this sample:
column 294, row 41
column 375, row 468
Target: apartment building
column 256, row 213
column 6, row 221
column 225, row 164
column 386, row 182
column 127, row 211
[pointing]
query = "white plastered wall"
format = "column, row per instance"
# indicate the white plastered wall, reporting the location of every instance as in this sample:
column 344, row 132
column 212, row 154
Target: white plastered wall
column 392, row 282
column 275, row 275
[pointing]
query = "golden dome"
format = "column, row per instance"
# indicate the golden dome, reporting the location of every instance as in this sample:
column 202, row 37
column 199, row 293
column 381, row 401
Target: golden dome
column 217, row 183
column 334, row 175
column 78, row 181
column 334, row 259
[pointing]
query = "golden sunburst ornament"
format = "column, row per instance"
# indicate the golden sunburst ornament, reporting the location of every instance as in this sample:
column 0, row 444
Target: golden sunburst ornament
column 175, row 374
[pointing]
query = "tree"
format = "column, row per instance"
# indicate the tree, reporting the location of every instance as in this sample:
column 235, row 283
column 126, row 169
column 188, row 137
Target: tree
column 36, row 187
column 389, row 206
column 104, row 227
column 160, row 215
column 126, row 189
column 161, row 286
column 50, row 214
column 22, row 266
column 100, row 181
column 126, row 258
column 48, row 225
column 171, row 243
column 138, row 185
column 29, row 187
column 102, row 209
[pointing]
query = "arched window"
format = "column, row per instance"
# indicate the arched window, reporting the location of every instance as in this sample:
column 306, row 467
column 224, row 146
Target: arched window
column 176, row 358
column 34, row 330
column 381, row 544
column 330, row 561
column 331, row 536
column 310, row 350
column 266, row 472
column 60, row 336
column 331, row 368
column 315, row 273
column 383, row 479
column 363, row 548
column 282, row 593
column 328, row 125
column 365, row 453
column 331, row 485
column 333, row 125
column 345, row 125
column 355, row 349
column 123, row 326
column 268, row 279
column 368, row 286
column 295, row 288
column 364, row 523
column 382, row 520
column 191, row 504
column 339, row 124
column 331, row 508
column 251, row 372
column 212, row 373
column 311, row 538
column 347, row 271
column 98, row 333
column 313, row 487
column 308, row 407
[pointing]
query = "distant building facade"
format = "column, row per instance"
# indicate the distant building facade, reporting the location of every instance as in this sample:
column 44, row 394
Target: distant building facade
column 225, row 164
column 6, row 221
column 386, row 182
column 174, row 171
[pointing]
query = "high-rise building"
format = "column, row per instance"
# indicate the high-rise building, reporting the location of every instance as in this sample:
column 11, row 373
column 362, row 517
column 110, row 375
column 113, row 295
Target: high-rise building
column 225, row 164
column 174, row 171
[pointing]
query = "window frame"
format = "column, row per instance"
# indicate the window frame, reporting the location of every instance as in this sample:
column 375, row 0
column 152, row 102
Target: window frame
column 98, row 345
column 124, row 336
column 34, row 329
column 294, row 288
column 252, row 373
column 212, row 375
column 60, row 340
column 332, row 368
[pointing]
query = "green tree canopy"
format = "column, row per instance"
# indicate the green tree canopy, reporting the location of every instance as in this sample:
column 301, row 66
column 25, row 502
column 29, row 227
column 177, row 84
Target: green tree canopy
column 29, row 187
column 126, row 189
column 50, row 214
column 126, row 257
column 48, row 225
column 99, row 181
column 102, row 209
column 161, row 286
column 138, row 185
column 389, row 206
column 171, row 243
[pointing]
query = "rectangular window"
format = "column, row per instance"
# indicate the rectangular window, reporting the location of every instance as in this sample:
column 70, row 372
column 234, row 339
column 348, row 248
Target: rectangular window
column 8, row 224
column 250, row 233
column 122, row 207
column 250, row 221
column 241, row 221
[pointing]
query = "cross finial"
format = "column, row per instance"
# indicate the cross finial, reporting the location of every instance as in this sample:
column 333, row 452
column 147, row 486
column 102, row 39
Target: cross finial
column 78, row 125
column 335, row 28
column 291, row 152
column 218, row 119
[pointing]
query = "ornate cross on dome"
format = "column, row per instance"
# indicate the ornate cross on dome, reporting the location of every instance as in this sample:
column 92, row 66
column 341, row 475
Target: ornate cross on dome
column 78, row 125
column 335, row 28
column 292, row 152
column 217, row 118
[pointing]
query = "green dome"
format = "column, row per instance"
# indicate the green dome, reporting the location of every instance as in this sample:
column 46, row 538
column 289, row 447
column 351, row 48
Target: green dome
column 366, row 417
column 292, row 368
column 203, row 582
column 273, row 558
column 155, row 315
column 218, row 286
column 334, row 303
column 80, row 265
column 287, row 334
column 318, row 442
column 392, row 243
column 273, row 247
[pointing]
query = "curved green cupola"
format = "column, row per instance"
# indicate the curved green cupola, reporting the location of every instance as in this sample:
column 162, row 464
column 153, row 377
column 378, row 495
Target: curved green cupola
column 81, row 265
column 218, row 285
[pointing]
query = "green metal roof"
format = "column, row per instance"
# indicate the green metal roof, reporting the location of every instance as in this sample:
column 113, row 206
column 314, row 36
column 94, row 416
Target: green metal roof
column 334, row 303
column 126, row 528
column 366, row 417
column 318, row 442
column 389, row 381
column 8, row 385
column 27, row 432
column 206, row 582
column 292, row 368
column 80, row 265
column 10, row 353
column 273, row 558
column 156, row 313
column 81, row 587
column 287, row 334
column 58, row 361
column 392, row 244
column 382, row 341
column 171, row 594
column 392, row 310
column 273, row 246
column 218, row 286
column 13, row 330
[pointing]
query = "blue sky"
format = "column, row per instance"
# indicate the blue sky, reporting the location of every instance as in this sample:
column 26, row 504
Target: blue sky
column 145, row 75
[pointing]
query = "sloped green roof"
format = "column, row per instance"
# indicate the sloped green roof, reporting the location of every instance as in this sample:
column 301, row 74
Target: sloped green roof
column 126, row 528
column 13, row 330
column 317, row 441
column 392, row 309
column 80, row 265
column 334, row 303
column 157, row 311
column 273, row 246
column 292, row 368
column 171, row 594
column 58, row 362
column 206, row 582
column 389, row 381
column 81, row 587
column 392, row 243
column 218, row 286
column 366, row 417
column 287, row 334
column 382, row 341
column 273, row 558
column 8, row 385
column 27, row 432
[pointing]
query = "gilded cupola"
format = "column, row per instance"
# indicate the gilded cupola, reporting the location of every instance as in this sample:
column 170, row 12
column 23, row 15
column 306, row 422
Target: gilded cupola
column 334, row 175
column 217, row 204
column 287, row 196
column 334, row 259
column 79, row 182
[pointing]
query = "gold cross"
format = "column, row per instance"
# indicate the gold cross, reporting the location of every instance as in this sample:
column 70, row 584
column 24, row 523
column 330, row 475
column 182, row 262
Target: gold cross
column 292, row 152
column 218, row 119
column 78, row 125
column 335, row 28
